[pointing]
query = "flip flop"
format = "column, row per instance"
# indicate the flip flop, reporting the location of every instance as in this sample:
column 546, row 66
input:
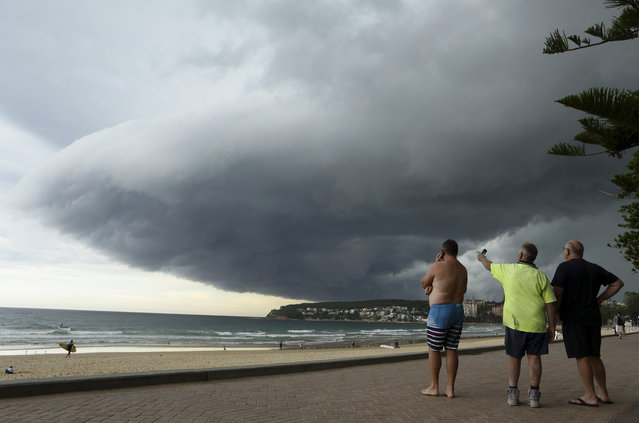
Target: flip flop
column 579, row 401
column 603, row 402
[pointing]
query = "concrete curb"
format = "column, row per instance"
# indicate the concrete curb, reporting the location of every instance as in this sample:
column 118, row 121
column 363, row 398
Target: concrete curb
column 32, row 387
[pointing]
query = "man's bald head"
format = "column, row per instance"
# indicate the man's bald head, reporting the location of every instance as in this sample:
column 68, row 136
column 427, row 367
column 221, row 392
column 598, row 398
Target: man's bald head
column 576, row 248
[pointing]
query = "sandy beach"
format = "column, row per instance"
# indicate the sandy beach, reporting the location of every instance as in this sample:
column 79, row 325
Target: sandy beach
column 32, row 366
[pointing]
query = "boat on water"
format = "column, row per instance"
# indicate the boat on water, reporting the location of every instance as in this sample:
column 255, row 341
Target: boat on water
column 62, row 326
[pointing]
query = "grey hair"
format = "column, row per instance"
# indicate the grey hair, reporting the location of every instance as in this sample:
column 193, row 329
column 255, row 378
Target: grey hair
column 529, row 251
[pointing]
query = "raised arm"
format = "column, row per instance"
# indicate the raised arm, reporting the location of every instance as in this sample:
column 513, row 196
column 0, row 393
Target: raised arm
column 429, row 277
column 482, row 258
column 427, row 280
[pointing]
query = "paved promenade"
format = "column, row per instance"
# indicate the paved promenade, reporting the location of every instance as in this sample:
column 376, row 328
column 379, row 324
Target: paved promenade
column 372, row 393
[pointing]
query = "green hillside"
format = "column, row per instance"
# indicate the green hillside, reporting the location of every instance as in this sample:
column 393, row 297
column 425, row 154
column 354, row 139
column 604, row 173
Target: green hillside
column 350, row 310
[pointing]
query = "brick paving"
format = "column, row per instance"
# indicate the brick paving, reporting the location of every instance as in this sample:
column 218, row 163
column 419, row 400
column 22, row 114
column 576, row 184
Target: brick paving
column 373, row 393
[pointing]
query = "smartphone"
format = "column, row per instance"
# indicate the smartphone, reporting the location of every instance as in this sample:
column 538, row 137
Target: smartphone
column 484, row 251
column 443, row 253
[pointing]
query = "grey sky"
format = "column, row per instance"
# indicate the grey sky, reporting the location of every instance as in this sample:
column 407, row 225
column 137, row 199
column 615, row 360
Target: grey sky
column 318, row 150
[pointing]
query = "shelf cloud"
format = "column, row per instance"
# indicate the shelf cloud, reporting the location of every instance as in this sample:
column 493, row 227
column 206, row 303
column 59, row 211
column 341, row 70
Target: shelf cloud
column 358, row 136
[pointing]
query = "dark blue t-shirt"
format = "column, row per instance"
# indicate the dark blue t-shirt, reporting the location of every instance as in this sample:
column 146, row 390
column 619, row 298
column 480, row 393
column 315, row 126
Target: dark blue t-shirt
column 581, row 281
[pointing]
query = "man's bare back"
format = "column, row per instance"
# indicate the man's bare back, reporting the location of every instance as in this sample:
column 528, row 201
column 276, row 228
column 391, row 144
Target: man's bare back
column 445, row 281
column 445, row 284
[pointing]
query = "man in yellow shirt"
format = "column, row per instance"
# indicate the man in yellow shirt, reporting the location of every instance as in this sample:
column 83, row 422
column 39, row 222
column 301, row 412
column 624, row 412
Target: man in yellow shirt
column 528, row 297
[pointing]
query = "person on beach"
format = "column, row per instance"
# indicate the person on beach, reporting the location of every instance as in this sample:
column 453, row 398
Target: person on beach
column 528, row 298
column 9, row 371
column 576, row 284
column 445, row 284
column 69, row 348
column 619, row 326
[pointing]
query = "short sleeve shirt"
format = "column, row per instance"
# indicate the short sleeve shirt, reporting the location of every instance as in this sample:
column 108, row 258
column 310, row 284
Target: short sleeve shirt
column 527, row 290
column 581, row 281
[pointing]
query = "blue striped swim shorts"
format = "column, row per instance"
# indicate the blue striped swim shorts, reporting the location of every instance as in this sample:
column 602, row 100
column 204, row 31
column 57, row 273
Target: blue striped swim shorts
column 444, row 326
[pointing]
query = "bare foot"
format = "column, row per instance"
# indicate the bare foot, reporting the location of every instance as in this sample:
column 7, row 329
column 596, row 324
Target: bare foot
column 603, row 399
column 450, row 394
column 430, row 391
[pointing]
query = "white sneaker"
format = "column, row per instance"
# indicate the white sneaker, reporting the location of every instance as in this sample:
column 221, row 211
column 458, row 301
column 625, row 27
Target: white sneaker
column 512, row 396
column 533, row 397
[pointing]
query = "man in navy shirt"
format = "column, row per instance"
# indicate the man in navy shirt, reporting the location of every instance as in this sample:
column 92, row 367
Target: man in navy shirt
column 576, row 285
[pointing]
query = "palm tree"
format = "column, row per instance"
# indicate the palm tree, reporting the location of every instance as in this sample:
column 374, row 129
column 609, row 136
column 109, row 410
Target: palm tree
column 613, row 121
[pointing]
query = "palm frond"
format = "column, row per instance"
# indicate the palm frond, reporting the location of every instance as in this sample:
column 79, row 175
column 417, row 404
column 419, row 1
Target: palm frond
column 565, row 149
column 620, row 107
column 556, row 42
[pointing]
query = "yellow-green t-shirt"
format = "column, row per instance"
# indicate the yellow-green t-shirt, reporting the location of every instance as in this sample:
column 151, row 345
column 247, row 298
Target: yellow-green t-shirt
column 526, row 292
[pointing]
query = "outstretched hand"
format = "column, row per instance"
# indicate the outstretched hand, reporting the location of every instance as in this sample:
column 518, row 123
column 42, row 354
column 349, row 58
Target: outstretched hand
column 482, row 258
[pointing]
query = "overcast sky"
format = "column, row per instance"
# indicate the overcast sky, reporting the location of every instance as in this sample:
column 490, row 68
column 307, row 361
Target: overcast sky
column 222, row 157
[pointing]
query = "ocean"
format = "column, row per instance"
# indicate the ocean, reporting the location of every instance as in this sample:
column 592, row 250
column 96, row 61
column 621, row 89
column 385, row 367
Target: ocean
column 26, row 330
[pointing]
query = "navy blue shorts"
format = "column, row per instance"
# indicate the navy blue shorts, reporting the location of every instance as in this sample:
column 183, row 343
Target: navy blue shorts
column 520, row 343
column 582, row 341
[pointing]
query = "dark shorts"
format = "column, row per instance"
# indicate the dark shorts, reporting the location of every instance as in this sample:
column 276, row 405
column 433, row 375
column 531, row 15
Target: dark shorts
column 520, row 343
column 444, row 326
column 582, row 341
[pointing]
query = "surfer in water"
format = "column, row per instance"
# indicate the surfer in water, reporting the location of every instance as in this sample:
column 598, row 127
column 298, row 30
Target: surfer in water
column 69, row 348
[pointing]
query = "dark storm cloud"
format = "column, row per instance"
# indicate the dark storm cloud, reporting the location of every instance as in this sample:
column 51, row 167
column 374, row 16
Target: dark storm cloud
column 377, row 133
column 314, row 215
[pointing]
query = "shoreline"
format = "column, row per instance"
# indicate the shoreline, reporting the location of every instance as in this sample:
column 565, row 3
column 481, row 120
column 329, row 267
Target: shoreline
column 371, row 341
column 53, row 365
column 141, row 359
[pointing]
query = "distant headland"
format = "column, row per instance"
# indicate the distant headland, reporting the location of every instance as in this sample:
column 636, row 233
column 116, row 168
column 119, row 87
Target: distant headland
column 410, row 311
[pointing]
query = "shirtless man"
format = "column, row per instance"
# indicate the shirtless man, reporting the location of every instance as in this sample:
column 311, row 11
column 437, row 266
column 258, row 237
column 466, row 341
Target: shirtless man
column 445, row 284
